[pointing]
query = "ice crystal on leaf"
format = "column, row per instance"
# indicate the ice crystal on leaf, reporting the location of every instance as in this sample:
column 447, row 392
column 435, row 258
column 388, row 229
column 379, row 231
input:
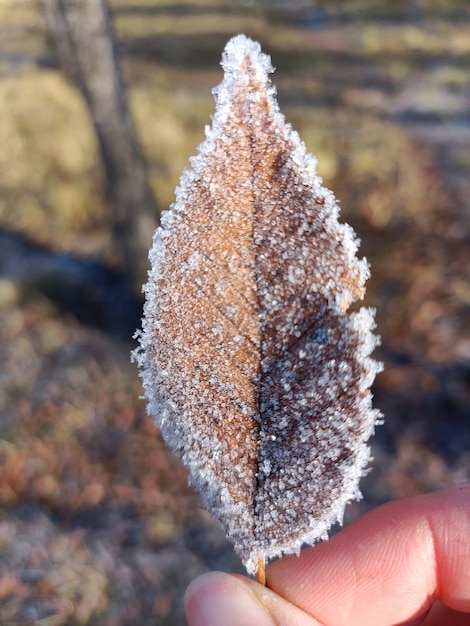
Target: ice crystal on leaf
column 256, row 374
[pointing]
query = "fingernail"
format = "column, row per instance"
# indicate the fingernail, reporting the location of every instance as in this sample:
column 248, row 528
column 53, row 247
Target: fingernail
column 215, row 598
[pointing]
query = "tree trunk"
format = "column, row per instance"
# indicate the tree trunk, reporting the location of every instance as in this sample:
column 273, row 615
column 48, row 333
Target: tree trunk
column 83, row 37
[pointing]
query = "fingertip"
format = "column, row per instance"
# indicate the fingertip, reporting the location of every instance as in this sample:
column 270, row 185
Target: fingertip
column 217, row 598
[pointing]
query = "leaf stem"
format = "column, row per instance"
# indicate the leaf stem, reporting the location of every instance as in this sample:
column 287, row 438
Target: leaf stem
column 261, row 572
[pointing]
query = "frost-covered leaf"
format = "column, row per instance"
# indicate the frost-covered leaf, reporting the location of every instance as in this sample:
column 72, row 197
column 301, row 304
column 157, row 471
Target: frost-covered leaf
column 255, row 372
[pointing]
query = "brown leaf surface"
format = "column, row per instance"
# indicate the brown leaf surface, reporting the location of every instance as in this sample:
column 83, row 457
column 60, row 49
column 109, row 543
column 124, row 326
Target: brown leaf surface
column 256, row 374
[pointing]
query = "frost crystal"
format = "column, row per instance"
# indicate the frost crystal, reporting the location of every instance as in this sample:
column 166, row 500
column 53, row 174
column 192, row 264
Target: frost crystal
column 254, row 370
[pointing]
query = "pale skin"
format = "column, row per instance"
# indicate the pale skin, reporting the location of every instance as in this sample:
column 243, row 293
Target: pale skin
column 407, row 562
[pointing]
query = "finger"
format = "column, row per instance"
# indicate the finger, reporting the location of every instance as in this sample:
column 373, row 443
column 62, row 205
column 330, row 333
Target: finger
column 388, row 567
column 214, row 599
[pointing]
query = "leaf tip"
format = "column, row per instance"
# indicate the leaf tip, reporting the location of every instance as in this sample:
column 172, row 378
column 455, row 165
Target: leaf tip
column 239, row 48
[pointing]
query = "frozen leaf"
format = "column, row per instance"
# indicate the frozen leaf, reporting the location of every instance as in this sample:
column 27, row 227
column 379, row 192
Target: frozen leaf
column 254, row 370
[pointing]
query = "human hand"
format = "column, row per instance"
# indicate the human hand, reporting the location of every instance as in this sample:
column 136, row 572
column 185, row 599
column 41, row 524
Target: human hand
column 407, row 562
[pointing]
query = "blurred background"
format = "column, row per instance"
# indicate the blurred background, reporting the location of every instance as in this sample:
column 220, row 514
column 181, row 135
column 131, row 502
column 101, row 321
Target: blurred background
column 101, row 106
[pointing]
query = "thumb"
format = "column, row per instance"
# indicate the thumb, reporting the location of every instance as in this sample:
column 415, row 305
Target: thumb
column 216, row 598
